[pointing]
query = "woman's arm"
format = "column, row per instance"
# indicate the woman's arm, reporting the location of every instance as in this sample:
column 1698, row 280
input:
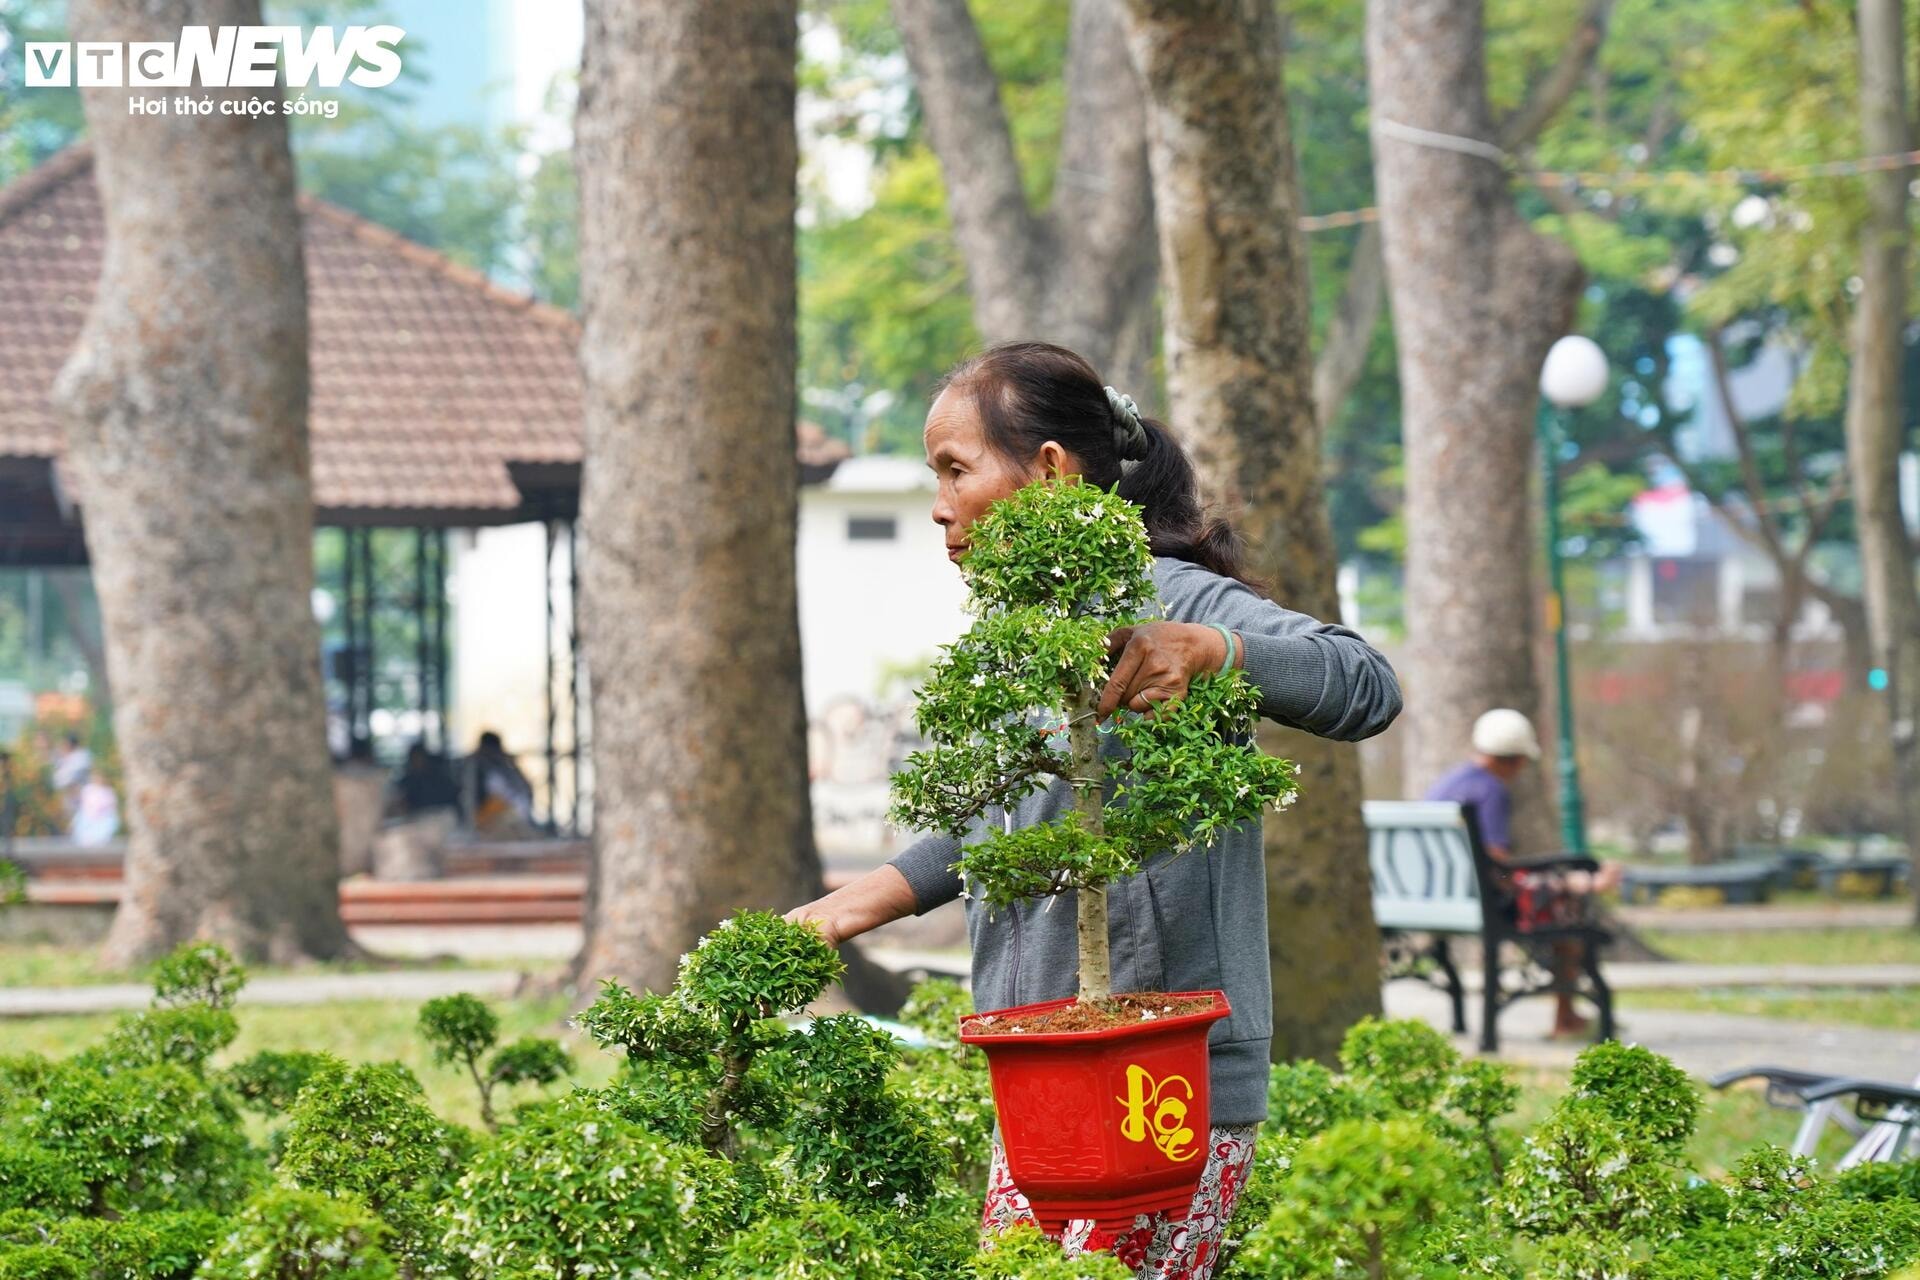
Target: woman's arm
column 1312, row 675
column 879, row 897
column 913, row 882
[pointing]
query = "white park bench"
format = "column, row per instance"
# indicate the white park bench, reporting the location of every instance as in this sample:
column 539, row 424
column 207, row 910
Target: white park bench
column 1433, row 879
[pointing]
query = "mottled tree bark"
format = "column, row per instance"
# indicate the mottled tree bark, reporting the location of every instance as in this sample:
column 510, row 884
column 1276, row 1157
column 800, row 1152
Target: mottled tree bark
column 1233, row 261
column 1477, row 299
column 1081, row 272
column 1876, row 429
column 687, row 161
column 186, row 408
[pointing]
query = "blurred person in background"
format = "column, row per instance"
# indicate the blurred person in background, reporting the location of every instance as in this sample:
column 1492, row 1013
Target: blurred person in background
column 424, row 782
column 497, row 793
column 71, row 769
column 96, row 815
column 1504, row 745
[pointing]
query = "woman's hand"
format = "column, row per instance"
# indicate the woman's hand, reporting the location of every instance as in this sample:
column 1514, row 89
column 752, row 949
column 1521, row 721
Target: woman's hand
column 821, row 916
column 1155, row 661
column 879, row 897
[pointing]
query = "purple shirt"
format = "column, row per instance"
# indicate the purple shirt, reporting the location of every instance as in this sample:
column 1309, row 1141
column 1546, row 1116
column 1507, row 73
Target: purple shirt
column 1472, row 787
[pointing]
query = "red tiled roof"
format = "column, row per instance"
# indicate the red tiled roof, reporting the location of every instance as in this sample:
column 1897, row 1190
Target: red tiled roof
column 427, row 378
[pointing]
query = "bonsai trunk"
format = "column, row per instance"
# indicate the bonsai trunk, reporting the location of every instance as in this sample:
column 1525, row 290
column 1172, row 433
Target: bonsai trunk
column 1089, row 779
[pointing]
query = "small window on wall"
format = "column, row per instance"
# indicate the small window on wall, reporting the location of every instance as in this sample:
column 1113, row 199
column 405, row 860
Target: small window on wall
column 872, row 529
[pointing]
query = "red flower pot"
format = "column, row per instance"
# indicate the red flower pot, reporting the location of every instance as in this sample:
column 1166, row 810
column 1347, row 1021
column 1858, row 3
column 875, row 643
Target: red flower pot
column 1102, row 1124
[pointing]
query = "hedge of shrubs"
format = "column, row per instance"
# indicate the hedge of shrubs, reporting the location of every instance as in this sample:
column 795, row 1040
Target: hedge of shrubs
column 731, row 1144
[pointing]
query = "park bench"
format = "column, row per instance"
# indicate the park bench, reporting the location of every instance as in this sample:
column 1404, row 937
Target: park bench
column 1433, row 878
column 1883, row 1116
column 1732, row 883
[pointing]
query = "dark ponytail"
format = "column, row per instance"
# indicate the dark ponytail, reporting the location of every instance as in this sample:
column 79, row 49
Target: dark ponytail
column 1028, row 393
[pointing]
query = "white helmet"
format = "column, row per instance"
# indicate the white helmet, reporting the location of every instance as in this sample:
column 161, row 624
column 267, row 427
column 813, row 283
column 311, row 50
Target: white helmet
column 1505, row 732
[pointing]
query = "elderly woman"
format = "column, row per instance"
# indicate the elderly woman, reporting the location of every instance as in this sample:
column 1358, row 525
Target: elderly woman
column 1014, row 414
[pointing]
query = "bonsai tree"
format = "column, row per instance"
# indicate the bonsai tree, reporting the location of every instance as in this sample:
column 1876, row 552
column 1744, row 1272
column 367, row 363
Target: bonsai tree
column 1052, row 570
column 462, row 1029
column 711, row 1063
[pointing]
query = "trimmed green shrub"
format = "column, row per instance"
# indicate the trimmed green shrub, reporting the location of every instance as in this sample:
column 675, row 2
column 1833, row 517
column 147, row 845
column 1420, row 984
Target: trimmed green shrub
column 734, row 1145
column 1361, row 1197
column 41, row 1262
column 34, row 1178
column 825, row 1240
column 143, row 1138
column 1600, row 1177
column 187, row 1037
column 1400, row 1166
column 141, row 1246
column 366, row 1133
column 573, row 1189
column 1407, row 1065
column 1881, row 1181
column 948, row 1080
column 201, row 974
column 288, row 1234
column 269, row 1081
column 1023, row 1253
column 194, row 989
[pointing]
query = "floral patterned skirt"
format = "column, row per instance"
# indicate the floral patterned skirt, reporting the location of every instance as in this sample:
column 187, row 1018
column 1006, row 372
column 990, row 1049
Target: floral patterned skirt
column 1155, row 1248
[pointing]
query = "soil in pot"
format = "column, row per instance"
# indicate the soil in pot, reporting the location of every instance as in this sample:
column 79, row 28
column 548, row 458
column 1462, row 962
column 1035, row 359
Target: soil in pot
column 1093, row 1015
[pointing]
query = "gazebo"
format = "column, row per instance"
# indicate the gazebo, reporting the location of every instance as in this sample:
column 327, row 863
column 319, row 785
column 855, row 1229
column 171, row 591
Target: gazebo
column 439, row 401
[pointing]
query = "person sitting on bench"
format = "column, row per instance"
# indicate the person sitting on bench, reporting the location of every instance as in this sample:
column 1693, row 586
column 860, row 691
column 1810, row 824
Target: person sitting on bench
column 1503, row 745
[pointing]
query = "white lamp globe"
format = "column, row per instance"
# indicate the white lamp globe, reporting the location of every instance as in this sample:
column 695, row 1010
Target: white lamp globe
column 1575, row 373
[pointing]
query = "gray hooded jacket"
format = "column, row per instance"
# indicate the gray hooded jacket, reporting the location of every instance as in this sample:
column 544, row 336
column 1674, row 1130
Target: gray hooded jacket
column 1198, row 921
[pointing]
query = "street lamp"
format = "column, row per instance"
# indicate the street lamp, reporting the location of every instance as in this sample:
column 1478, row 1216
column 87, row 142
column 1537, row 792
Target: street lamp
column 1574, row 375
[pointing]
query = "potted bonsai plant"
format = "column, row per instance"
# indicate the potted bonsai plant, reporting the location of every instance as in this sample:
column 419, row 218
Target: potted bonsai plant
column 1102, row 1097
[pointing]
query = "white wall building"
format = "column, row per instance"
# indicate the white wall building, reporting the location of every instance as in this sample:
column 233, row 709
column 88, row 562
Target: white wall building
column 877, row 593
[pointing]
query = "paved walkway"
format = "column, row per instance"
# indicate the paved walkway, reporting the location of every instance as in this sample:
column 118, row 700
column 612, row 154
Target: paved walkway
column 1702, row 1043
column 1693, row 977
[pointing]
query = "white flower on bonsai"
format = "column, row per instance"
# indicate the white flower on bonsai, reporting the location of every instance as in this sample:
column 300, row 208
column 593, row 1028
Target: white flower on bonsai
column 1051, row 571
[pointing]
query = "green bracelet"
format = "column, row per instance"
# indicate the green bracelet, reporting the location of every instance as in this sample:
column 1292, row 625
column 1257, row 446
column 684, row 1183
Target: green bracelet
column 1233, row 646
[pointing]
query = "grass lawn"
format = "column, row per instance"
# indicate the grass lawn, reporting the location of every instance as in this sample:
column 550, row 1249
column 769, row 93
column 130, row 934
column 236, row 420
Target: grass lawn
column 46, row 964
column 1895, row 1008
column 376, row 1030
column 1788, row 946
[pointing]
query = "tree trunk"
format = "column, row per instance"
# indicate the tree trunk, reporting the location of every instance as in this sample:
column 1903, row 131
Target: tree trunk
column 1089, row 774
column 1875, row 426
column 687, row 159
column 1233, row 261
column 1477, row 298
column 186, row 408
column 1072, row 274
